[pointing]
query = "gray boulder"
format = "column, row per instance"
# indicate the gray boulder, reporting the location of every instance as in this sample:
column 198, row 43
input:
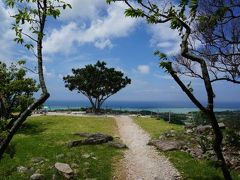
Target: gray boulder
column 36, row 176
column 93, row 139
column 63, row 168
column 166, row 145
column 22, row 169
column 117, row 145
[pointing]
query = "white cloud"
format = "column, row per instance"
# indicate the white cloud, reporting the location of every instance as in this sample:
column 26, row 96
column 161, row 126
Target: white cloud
column 82, row 9
column 143, row 69
column 100, row 31
column 164, row 38
column 6, row 34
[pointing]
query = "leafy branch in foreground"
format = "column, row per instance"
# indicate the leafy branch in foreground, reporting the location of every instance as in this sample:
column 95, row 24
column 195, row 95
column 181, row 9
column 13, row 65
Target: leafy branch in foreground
column 30, row 22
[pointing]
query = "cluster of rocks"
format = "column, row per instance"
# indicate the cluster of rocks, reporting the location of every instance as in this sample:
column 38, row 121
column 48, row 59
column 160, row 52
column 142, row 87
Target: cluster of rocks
column 34, row 174
column 95, row 138
column 197, row 142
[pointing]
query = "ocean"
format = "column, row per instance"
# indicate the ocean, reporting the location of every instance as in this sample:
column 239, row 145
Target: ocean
column 175, row 107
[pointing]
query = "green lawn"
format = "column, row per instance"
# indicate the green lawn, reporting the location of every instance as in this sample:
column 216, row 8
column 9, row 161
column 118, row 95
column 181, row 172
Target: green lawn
column 189, row 167
column 46, row 137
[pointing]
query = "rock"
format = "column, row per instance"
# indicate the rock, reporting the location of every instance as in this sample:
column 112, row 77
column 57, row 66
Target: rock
column 117, row 145
column 204, row 128
column 86, row 156
column 95, row 158
column 37, row 159
column 97, row 138
column 189, row 131
column 36, row 176
column 59, row 156
column 22, row 169
column 166, row 145
column 196, row 152
column 38, row 171
column 221, row 125
column 64, row 168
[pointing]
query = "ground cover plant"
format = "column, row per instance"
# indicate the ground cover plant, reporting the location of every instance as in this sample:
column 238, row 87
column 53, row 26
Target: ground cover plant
column 189, row 167
column 45, row 138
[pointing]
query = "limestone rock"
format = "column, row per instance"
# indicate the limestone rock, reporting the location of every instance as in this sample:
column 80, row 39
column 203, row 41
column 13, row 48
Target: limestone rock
column 64, row 168
column 97, row 138
column 36, row 176
column 117, row 145
column 166, row 145
column 37, row 159
column 22, row 169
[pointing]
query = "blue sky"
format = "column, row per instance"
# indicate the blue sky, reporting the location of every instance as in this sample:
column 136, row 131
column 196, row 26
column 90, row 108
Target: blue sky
column 93, row 31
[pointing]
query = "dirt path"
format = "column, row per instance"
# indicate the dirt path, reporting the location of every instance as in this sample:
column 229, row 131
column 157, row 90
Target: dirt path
column 142, row 162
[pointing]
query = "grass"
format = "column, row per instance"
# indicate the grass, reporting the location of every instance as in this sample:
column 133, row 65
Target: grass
column 46, row 136
column 190, row 168
column 156, row 127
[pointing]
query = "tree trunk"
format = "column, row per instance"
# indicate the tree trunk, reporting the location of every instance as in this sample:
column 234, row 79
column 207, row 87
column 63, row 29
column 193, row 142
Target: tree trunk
column 45, row 95
column 217, row 144
column 5, row 142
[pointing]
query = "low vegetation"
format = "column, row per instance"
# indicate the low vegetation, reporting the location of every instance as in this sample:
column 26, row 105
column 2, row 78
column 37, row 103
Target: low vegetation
column 189, row 167
column 45, row 138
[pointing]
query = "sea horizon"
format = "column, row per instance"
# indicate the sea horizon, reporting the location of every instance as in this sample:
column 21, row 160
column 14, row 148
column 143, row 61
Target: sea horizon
column 155, row 106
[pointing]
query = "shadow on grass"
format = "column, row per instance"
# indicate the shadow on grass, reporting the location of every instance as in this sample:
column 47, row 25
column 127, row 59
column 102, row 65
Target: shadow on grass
column 32, row 129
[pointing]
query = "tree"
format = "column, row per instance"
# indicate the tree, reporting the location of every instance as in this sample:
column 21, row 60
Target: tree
column 97, row 82
column 16, row 91
column 215, row 26
column 31, row 15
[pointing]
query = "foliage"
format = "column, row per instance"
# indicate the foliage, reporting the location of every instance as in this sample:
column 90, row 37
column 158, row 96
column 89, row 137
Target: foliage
column 175, row 118
column 232, row 138
column 97, row 82
column 33, row 14
column 199, row 118
column 30, row 20
column 16, row 89
column 46, row 137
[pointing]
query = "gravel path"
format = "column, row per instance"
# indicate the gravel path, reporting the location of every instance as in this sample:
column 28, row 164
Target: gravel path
column 142, row 162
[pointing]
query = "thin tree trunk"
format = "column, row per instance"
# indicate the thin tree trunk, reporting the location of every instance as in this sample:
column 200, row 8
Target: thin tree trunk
column 5, row 142
column 45, row 95
column 210, row 114
column 217, row 144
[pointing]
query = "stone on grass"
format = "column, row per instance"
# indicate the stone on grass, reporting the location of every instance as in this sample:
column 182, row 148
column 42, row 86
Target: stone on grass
column 36, row 176
column 93, row 139
column 59, row 156
column 22, row 169
column 86, row 156
column 166, row 145
column 117, row 145
column 63, row 168
column 37, row 159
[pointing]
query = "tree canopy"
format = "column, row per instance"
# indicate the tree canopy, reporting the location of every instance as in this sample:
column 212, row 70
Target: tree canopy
column 16, row 90
column 30, row 22
column 97, row 82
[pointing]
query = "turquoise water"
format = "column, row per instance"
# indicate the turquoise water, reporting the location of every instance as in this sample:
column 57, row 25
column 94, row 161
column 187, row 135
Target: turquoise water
column 175, row 107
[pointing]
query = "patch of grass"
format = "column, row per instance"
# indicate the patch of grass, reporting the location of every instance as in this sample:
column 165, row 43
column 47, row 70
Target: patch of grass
column 156, row 127
column 46, row 137
column 190, row 168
